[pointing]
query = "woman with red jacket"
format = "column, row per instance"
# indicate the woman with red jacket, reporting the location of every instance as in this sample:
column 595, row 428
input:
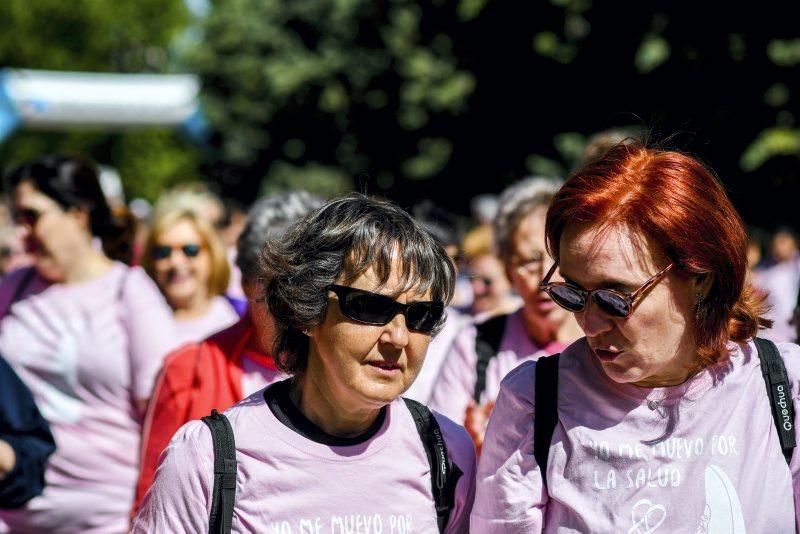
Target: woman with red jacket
column 221, row 370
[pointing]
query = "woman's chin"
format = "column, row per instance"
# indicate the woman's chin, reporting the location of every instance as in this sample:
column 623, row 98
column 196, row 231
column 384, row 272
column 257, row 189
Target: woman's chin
column 180, row 298
column 382, row 389
column 48, row 269
column 620, row 374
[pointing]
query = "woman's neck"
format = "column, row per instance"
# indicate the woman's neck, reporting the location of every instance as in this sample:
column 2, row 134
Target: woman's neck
column 92, row 265
column 543, row 331
column 675, row 378
column 538, row 327
column 318, row 403
column 192, row 308
column 263, row 328
column 686, row 365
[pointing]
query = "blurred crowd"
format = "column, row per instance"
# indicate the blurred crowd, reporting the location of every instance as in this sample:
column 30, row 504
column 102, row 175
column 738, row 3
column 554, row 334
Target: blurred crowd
column 126, row 320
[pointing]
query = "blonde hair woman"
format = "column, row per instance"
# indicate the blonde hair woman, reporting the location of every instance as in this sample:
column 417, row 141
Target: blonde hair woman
column 185, row 256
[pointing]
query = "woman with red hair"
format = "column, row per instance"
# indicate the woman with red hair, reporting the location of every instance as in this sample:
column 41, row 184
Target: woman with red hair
column 659, row 417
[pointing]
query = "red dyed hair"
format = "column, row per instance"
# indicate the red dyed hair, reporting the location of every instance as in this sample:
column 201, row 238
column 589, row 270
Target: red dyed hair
column 679, row 203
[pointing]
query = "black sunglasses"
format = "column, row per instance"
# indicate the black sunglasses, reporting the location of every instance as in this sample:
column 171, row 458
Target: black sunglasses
column 162, row 252
column 485, row 280
column 612, row 302
column 26, row 217
column 374, row 308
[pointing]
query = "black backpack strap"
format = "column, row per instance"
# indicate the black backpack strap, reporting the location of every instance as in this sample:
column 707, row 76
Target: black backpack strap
column 487, row 343
column 444, row 474
column 545, row 417
column 224, row 494
column 779, row 392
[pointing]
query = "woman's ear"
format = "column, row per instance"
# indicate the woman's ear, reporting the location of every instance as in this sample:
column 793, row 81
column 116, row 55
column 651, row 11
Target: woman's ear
column 702, row 285
column 310, row 332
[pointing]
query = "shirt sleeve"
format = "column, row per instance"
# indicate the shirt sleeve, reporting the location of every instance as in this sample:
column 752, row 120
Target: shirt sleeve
column 179, row 499
column 510, row 495
column 28, row 434
column 456, row 383
column 167, row 411
column 151, row 329
column 791, row 358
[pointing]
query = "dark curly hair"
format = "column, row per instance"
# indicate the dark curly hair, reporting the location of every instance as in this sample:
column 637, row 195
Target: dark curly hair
column 73, row 182
column 269, row 218
column 339, row 242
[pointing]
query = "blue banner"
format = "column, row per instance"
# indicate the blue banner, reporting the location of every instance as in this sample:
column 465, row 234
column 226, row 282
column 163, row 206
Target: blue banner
column 9, row 117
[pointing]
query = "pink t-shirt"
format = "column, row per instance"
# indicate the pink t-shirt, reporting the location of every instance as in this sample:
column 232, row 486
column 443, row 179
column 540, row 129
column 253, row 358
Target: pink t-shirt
column 701, row 457
column 86, row 351
column 289, row 484
column 220, row 315
column 438, row 351
column 456, row 383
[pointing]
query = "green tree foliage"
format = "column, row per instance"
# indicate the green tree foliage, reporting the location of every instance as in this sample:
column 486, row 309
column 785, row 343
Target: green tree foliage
column 464, row 96
column 312, row 93
column 99, row 36
column 439, row 98
column 722, row 85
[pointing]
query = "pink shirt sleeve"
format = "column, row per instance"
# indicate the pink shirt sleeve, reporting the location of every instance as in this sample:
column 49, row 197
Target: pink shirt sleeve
column 510, row 496
column 178, row 499
column 456, row 383
column 151, row 329
column 791, row 358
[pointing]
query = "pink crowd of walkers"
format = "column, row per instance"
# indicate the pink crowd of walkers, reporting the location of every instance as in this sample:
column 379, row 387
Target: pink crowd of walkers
column 604, row 353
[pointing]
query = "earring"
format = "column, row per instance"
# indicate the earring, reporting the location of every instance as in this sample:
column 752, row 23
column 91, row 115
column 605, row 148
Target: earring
column 698, row 297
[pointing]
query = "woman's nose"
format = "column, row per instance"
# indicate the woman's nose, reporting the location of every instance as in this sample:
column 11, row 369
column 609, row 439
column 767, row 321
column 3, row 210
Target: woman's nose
column 395, row 332
column 178, row 256
column 22, row 231
column 478, row 289
column 594, row 321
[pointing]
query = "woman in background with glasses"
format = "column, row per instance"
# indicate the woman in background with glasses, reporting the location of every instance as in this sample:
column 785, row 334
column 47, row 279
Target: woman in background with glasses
column 87, row 334
column 482, row 354
column 660, row 414
column 356, row 289
column 185, row 256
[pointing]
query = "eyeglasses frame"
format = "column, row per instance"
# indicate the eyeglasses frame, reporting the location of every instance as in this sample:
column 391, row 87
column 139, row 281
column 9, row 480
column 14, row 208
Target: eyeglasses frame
column 632, row 299
column 399, row 306
column 182, row 248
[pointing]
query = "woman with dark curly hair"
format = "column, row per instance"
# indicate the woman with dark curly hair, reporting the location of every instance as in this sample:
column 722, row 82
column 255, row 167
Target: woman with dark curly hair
column 356, row 290
column 87, row 335
column 670, row 415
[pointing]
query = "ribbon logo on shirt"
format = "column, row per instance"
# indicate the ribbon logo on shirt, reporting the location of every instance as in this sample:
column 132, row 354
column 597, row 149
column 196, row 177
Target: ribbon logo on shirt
column 646, row 517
